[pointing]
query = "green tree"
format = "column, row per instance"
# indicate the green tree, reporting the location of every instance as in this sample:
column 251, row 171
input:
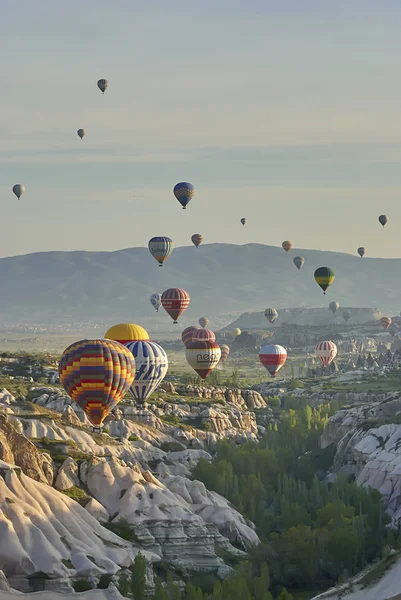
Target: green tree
column 138, row 579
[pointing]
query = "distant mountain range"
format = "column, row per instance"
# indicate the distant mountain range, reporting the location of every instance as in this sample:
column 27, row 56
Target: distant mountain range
column 222, row 279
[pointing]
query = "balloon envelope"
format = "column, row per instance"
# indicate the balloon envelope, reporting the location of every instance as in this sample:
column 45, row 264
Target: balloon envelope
column 156, row 301
column 204, row 334
column 324, row 276
column 334, row 306
column 18, row 190
column 160, row 248
column 96, row 374
column 203, row 356
column 187, row 335
column 272, row 357
column 243, row 220
column 383, row 220
column 346, row 315
column 326, row 352
column 126, row 332
column 174, row 302
column 81, row 133
column 225, row 352
column 298, row 261
column 184, row 192
column 361, row 251
column 151, row 368
column 236, row 332
column 271, row 314
column 287, row 245
column 203, row 321
column 197, row 239
column 103, row 84
column 385, row 322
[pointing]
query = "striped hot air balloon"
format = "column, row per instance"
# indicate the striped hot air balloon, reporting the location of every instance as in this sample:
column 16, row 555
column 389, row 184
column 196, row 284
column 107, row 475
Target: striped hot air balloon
column 187, row 335
column 225, row 352
column 204, row 334
column 151, row 368
column 271, row 314
column 184, row 192
column 203, row 356
column 197, row 239
column 127, row 332
column 174, row 302
column 326, row 352
column 203, row 321
column 160, row 248
column 324, row 276
column 272, row 357
column 96, row 374
column 385, row 322
column 156, row 301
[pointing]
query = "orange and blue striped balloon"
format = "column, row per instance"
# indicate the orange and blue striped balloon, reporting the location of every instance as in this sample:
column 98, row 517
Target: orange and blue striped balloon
column 96, row 374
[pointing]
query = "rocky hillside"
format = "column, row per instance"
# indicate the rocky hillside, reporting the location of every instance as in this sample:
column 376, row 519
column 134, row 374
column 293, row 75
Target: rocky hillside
column 42, row 287
column 68, row 497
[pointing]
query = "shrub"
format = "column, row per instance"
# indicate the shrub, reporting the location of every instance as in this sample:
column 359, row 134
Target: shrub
column 82, row 585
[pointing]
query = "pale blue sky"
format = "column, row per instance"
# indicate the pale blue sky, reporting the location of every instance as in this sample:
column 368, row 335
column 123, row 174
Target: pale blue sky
column 285, row 112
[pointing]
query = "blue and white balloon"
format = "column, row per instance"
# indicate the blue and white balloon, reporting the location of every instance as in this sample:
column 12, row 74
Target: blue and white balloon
column 151, row 368
column 156, row 301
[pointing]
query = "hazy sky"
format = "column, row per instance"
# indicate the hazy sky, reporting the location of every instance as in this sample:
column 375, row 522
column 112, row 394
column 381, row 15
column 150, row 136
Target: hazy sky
column 287, row 112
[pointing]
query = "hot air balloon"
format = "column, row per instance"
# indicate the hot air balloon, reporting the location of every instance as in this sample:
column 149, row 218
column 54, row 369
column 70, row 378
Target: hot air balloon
column 243, row 220
column 81, row 133
column 326, row 352
column 197, row 239
column 298, row 261
column 151, row 368
column 271, row 314
column 204, row 334
column 184, row 192
column 156, row 301
column 18, row 190
column 96, row 374
column 272, row 357
column 346, row 315
column 393, row 329
column 236, row 332
column 361, row 251
column 287, row 245
column 187, row 335
column 334, row 306
column 103, row 84
column 175, row 301
column 160, row 248
column 203, row 356
column 383, row 220
column 225, row 352
column 385, row 322
column 203, row 321
column 127, row 332
column 324, row 276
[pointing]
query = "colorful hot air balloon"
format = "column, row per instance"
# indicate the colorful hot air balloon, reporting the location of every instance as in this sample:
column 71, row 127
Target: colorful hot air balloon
column 361, row 251
column 96, row 374
column 271, row 314
column 103, row 84
column 203, row 321
column 160, row 248
column 188, row 334
column 334, row 306
column 156, row 301
column 385, row 322
column 184, row 192
column 243, row 220
column 225, row 352
column 127, row 332
column 236, row 332
column 204, row 334
column 287, row 245
column 383, row 220
column 174, row 302
column 18, row 190
column 151, row 368
column 272, row 358
column 298, row 261
column 326, row 352
column 203, row 356
column 197, row 239
column 346, row 315
column 324, row 276
column 81, row 133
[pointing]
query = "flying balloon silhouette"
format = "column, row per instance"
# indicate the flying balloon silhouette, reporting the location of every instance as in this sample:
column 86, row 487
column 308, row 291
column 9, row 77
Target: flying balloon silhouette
column 184, row 192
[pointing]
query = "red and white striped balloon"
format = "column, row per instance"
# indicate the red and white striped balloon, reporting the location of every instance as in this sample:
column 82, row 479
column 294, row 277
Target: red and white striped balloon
column 272, row 357
column 326, row 352
column 174, row 302
column 203, row 356
column 204, row 334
